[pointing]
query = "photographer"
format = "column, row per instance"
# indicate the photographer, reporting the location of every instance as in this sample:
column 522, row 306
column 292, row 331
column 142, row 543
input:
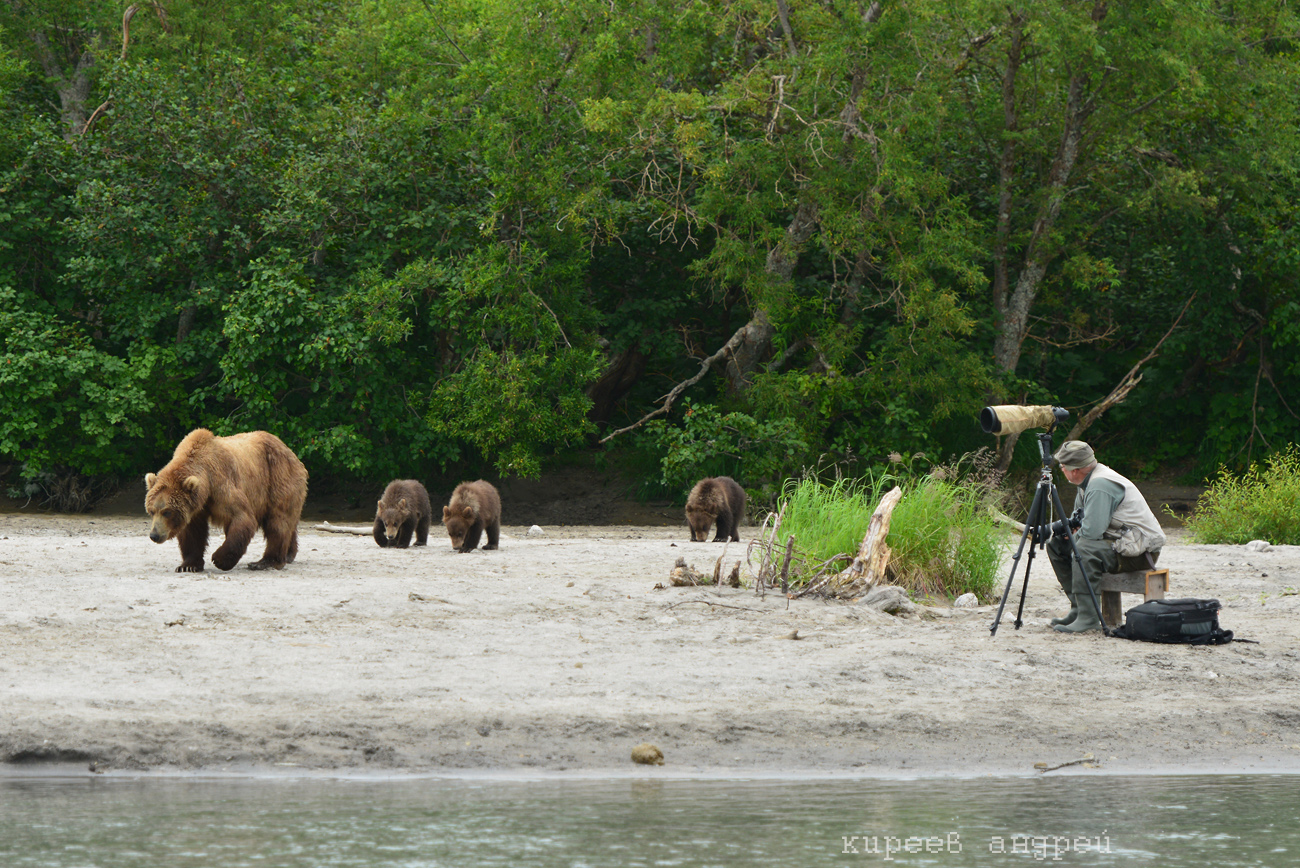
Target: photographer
column 1115, row 521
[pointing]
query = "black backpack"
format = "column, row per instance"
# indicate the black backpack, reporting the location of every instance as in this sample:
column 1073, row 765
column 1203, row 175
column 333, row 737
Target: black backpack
column 1187, row 622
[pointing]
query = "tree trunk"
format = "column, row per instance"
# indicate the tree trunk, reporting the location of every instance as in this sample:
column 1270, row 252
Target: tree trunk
column 72, row 86
column 618, row 378
column 1013, row 308
column 753, row 341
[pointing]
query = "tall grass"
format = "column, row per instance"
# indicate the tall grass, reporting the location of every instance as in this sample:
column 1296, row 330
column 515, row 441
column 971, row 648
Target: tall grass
column 1262, row 503
column 944, row 542
column 827, row 520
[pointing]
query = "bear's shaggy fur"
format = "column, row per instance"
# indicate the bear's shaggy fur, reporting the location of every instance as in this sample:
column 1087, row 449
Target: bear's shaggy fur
column 239, row 483
column 475, row 507
column 404, row 509
column 720, row 499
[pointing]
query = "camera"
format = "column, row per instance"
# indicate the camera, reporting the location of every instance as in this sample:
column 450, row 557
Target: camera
column 1014, row 418
column 1060, row 528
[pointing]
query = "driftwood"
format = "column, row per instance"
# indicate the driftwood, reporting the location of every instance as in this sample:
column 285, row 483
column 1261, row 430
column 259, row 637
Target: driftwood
column 684, row 575
column 766, row 543
column 868, row 568
column 331, row 528
column 872, row 560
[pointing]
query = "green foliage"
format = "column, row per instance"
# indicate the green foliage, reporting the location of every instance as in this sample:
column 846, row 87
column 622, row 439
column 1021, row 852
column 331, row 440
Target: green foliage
column 943, row 540
column 516, row 408
column 712, row 443
column 1261, row 503
column 408, row 236
column 65, row 404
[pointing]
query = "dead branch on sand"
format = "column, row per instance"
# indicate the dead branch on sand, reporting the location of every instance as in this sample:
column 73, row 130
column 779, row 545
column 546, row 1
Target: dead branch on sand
column 766, row 574
column 332, row 528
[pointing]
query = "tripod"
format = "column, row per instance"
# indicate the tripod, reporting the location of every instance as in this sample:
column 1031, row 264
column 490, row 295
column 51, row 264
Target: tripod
column 1035, row 524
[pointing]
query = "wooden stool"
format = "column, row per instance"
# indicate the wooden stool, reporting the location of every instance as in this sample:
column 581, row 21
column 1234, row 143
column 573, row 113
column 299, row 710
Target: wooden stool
column 1152, row 584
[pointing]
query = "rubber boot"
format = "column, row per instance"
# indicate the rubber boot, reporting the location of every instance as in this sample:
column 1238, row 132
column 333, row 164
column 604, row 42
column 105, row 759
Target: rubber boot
column 1067, row 585
column 1085, row 620
column 1070, row 616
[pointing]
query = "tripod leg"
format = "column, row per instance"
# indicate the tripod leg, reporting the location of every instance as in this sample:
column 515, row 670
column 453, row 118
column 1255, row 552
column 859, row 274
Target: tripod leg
column 1035, row 512
column 1024, row 588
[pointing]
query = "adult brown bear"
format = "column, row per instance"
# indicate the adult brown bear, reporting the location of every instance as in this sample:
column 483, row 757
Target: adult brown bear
column 239, row 483
column 475, row 507
column 403, row 510
column 720, row 499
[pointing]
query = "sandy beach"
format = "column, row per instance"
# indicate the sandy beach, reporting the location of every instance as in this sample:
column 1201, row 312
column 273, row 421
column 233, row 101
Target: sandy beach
column 563, row 652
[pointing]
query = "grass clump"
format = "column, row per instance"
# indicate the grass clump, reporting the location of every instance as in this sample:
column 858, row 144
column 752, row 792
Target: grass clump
column 943, row 539
column 827, row 520
column 1262, row 503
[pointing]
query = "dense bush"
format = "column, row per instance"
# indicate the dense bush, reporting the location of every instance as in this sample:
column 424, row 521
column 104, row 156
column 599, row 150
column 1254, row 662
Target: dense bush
column 1261, row 503
column 416, row 239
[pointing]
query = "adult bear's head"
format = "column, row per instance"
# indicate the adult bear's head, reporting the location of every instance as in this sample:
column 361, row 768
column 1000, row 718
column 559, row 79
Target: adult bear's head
column 171, row 503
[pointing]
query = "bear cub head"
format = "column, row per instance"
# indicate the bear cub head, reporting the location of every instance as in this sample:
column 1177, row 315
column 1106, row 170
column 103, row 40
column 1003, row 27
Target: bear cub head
column 171, row 505
column 458, row 524
column 700, row 520
column 394, row 515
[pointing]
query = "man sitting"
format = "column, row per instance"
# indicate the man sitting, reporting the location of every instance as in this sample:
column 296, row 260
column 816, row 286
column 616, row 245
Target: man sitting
column 1115, row 516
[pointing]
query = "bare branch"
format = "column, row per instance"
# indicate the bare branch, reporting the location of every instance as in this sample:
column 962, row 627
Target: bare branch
column 677, row 390
column 1127, row 384
column 130, row 13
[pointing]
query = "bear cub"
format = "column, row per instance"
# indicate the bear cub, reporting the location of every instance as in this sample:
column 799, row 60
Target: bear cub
column 475, row 507
column 403, row 510
column 717, row 499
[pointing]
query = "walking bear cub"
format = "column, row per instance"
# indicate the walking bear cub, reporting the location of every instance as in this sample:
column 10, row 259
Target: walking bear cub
column 239, row 483
column 403, row 510
column 475, row 507
column 716, row 499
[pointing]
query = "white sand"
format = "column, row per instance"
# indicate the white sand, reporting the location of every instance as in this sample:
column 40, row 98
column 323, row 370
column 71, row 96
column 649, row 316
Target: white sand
column 559, row 654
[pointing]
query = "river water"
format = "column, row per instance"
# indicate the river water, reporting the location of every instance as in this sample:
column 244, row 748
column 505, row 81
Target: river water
column 127, row 822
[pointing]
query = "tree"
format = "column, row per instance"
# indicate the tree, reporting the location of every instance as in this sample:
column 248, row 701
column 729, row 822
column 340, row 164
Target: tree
column 794, row 153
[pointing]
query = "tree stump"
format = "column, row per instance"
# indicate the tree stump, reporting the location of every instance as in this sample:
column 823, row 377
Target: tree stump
column 872, row 560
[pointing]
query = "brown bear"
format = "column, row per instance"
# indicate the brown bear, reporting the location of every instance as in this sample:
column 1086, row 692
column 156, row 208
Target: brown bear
column 404, row 509
column 239, row 483
column 475, row 507
column 720, row 499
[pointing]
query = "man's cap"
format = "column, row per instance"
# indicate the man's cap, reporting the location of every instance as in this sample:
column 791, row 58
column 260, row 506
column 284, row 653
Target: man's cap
column 1074, row 454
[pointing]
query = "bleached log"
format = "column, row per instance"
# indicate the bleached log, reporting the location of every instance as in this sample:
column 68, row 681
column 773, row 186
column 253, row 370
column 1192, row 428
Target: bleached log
column 872, row 560
column 332, row 528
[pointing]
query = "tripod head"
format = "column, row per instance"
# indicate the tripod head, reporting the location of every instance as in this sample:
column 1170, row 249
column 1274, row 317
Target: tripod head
column 1045, row 450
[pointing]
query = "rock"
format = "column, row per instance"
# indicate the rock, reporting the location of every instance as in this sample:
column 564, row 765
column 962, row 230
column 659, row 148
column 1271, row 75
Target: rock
column 536, row 531
column 1258, row 545
column 966, row 601
column 647, row 755
column 890, row 599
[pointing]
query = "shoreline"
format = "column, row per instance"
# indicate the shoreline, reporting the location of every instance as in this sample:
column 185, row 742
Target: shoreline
column 78, row 772
column 551, row 658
